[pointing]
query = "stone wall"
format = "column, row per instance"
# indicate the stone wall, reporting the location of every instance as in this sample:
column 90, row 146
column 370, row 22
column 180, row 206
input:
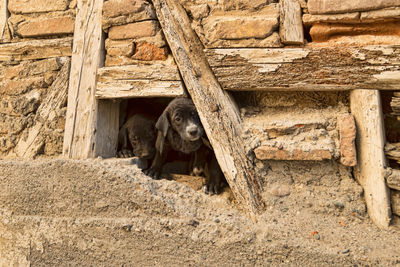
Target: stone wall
column 35, row 43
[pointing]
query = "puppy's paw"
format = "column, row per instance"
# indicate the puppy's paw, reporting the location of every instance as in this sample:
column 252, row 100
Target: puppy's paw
column 153, row 173
column 212, row 188
column 125, row 153
column 197, row 171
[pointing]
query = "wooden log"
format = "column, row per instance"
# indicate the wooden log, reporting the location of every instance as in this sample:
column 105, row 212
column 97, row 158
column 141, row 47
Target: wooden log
column 392, row 151
column 291, row 24
column 393, row 179
column 91, row 126
column 217, row 112
column 47, row 111
column 36, row 49
column 370, row 171
column 307, row 69
column 156, row 80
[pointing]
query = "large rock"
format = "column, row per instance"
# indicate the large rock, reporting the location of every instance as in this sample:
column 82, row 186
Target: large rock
column 36, row 6
column 46, row 27
column 321, row 32
column 115, row 8
column 134, row 30
column 242, row 29
column 345, row 6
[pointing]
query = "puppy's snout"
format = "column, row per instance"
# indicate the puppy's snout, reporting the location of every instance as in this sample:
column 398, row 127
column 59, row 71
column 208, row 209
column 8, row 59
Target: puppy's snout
column 194, row 131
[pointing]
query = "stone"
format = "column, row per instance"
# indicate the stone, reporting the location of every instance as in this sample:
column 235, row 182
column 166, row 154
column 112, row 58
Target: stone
column 147, row 52
column 387, row 13
column 157, row 40
column 395, row 201
column 115, row 8
column 322, row 32
column 148, row 13
column 21, row 86
column 240, row 27
column 134, row 30
column 346, row 6
column 36, row 6
column 279, row 190
column 276, row 153
column 27, row 68
column 200, row 11
column 353, row 17
column 122, row 48
column 46, row 27
column 347, row 133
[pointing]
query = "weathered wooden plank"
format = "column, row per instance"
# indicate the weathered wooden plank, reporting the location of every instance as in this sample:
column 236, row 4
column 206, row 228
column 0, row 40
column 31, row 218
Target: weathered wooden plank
column 139, row 88
column 291, row 24
column 156, row 80
column 393, row 179
column 4, row 32
column 36, row 49
column 370, row 171
column 91, row 125
column 220, row 119
column 307, row 69
column 156, row 71
column 392, row 151
column 47, row 111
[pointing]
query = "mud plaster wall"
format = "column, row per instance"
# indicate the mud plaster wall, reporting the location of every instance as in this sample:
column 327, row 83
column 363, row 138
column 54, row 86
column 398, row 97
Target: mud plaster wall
column 35, row 44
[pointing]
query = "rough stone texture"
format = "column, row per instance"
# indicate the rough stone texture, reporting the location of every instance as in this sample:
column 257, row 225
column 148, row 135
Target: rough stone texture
column 321, row 32
column 240, row 29
column 277, row 153
column 387, row 13
column 99, row 213
column 395, row 201
column 353, row 17
column 36, row 6
column 347, row 133
column 345, row 6
column 115, row 8
column 134, row 30
column 46, row 27
column 23, row 86
column 147, row 52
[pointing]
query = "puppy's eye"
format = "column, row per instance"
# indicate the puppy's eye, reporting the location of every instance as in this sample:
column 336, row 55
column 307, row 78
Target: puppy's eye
column 178, row 119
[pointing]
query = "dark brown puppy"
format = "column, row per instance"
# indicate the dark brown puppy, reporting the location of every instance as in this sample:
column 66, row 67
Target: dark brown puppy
column 137, row 137
column 178, row 128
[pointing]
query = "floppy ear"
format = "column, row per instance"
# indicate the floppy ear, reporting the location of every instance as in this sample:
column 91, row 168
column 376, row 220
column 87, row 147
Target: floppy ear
column 162, row 126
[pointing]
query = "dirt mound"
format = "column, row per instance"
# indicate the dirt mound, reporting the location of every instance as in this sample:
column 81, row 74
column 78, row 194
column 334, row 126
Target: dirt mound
column 106, row 212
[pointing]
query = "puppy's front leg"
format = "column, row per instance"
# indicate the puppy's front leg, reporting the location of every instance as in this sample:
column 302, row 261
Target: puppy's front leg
column 158, row 162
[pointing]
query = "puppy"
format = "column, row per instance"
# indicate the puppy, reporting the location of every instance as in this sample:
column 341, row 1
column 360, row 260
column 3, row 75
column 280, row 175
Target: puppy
column 178, row 128
column 137, row 137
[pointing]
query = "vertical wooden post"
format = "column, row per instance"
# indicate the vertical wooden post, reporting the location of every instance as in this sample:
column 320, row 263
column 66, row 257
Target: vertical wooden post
column 291, row 23
column 92, row 126
column 371, row 168
column 4, row 32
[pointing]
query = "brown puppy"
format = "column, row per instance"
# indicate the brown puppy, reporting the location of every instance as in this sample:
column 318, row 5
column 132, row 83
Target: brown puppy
column 137, row 137
column 178, row 128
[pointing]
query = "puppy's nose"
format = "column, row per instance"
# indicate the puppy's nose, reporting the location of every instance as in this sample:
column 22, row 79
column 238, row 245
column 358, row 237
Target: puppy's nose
column 193, row 132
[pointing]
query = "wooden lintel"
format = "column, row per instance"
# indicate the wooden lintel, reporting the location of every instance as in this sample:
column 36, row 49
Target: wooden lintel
column 371, row 168
column 307, row 69
column 156, row 80
column 217, row 111
column 91, row 128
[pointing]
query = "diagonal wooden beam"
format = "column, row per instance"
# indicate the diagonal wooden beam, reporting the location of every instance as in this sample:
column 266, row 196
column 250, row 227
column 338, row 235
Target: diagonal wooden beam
column 217, row 112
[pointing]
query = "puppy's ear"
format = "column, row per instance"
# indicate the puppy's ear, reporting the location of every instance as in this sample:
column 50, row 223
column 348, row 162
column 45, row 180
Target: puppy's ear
column 162, row 126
